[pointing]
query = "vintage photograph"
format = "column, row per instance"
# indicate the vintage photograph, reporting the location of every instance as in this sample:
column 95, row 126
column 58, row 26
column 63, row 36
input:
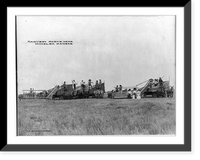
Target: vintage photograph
column 96, row 75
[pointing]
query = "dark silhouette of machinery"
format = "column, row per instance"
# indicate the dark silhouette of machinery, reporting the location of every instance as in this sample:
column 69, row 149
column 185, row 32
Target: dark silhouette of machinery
column 67, row 91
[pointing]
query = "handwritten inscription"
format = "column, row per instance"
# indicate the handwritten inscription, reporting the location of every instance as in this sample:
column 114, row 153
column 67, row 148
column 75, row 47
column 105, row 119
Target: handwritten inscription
column 51, row 42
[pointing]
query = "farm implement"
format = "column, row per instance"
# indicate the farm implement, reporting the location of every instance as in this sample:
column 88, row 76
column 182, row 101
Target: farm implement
column 67, row 91
column 154, row 88
column 33, row 94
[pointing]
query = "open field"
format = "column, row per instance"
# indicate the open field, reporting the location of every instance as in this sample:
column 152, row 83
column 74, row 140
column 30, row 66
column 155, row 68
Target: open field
column 97, row 117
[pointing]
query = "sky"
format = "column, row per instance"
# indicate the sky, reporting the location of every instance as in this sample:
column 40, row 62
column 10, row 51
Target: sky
column 124, row 50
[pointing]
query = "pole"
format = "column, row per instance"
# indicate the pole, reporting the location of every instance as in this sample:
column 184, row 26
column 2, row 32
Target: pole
column 141, row 83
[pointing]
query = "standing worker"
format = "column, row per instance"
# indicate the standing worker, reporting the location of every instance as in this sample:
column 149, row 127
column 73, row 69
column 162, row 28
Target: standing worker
column 99, row 83
column 120, row 88
column 155, row 82
column 64, row 85
column 81, row 83
column 74, row 84
column 138, row 94
column 96, row 84
column 129, row 93
column 134, row 94
column 117, row 88
column 160, row 81
column 90, row 83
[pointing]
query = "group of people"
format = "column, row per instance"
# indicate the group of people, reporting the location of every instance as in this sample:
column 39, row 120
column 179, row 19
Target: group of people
column 131, row 93
column 134, row 94
column 118, row 88
column 156, row 82
column 98, row 84
column 90, row 84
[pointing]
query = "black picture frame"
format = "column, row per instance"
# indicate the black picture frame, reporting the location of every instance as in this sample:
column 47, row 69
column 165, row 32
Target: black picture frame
column 126, row 147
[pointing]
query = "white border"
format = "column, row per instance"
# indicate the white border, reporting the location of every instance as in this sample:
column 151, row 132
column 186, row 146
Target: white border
column 11, row 87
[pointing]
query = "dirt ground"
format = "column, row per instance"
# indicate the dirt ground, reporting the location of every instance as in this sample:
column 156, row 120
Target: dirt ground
column 147, row 116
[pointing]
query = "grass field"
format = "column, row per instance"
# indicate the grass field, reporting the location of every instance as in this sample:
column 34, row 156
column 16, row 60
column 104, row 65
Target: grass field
column 97, row 117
